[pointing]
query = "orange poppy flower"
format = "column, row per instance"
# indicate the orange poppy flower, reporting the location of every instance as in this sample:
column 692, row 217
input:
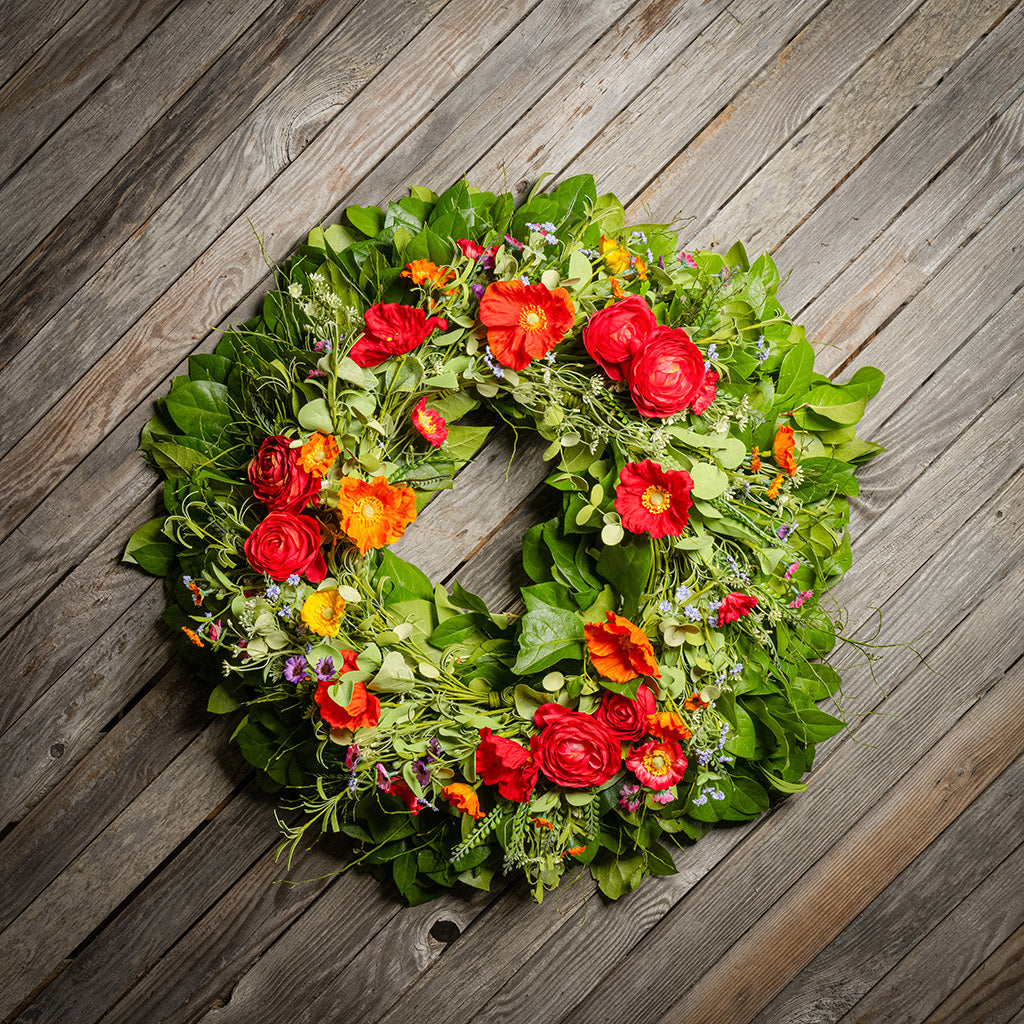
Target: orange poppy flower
column 620, row 650
column 617, row 289
column 317, row 455
column 755, row 459
column 784, row 449
column 524, row 321
column 464, row 797
column 574, row 851
column 426, row 273
column 641, row 269
column 374, row 514
column 667, row 725
column 773, row 488
column 695, row 702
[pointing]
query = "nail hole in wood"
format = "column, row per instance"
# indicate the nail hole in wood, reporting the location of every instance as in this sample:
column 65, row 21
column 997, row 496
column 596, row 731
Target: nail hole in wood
column 445, row 931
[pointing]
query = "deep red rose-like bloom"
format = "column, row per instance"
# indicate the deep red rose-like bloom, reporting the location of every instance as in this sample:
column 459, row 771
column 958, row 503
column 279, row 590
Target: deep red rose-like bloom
column 653, row 500
column 277, row 479
column 576, row 750
column 391, row 329
column 524, row 321
column 658, row 765
column 285, row 543
column 707, row 393
column 362, row 710
column 507, row 764
column 624, row 716
column 735, row 606
column 667, row 374
column 616, row 334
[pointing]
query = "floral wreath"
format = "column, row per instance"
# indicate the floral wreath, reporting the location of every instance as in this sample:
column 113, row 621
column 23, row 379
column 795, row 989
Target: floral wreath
column 666, row 670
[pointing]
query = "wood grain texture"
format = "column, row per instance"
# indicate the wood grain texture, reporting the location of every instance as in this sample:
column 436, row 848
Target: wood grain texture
column 25, row 29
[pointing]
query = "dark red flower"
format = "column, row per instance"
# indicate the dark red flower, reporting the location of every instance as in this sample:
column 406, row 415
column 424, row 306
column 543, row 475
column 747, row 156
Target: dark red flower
column 507, row 764
column 653, row 500
column 475, row 251
column 616, row 334
column 707, row 393
column 735, row 606
column 626, row 716
column 391, row 329
column 277, row 479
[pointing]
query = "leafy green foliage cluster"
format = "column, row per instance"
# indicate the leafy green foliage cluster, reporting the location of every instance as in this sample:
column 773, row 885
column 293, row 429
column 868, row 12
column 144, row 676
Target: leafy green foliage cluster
column 444, row 665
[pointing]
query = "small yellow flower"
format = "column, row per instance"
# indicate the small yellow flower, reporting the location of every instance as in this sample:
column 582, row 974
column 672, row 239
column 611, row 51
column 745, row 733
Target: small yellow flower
column 323, row 611
column 617, row 258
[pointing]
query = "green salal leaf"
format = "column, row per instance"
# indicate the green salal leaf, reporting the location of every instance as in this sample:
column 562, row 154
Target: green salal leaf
column 150, row 549
column 837, row 404
column 200, row 408
column 547, row 636
column 316, row 416
column 367, row 219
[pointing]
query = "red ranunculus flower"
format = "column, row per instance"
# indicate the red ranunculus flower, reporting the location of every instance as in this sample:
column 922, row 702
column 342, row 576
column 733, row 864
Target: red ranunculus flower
column 657, row 765
column 616, row 334
column 392, row 329
column 667, row 374
column 624, row 716
column 735, row 606
column 362, row 710
column 285, row 543
column 524, row 321
column 576, row 750
column 653, row 500
column 277, row 479
column 508, row 764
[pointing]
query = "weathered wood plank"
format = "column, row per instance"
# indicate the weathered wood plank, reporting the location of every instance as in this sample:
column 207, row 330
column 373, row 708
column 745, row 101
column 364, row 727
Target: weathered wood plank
column 66, row 69
column 86, row 145
column 979, row 946
column 850, row 125
column 127, row 760
column 974, row 92
column 995, row 991
column 939, row 881
column 110, row 868
column 280, row 105
column 24, row 29
column 811, row 73
column 916, row 246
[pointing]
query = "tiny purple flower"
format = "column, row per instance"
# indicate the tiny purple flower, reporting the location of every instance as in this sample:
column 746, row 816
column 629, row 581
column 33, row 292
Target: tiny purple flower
column 433, row 748
column 784, row 531
column 325, row 669
column 478, row 290
column 294, row 580
column 421, row 771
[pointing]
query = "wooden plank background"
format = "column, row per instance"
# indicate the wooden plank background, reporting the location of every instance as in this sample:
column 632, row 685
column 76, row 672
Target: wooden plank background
column 876, row 147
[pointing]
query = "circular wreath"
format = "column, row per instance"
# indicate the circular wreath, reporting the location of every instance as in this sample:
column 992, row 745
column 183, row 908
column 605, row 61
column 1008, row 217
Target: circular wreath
column 665, row 672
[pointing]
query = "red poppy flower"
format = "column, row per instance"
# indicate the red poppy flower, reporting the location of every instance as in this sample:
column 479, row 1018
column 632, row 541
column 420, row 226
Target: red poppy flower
column 430, row 423
column 508, row 764
column 524, row 321
column 653, row 500
column 735, row 606
column 392, row 329
column 657, row 765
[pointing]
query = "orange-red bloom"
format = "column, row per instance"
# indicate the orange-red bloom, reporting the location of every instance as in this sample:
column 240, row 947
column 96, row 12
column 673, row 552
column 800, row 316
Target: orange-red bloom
column 362, row 710
column 524, row 321
column 464, row 797
column 317, row 455
column 657, row 765
column 619, row 650
column 193, row 636
column 755, row 459
column 374, row 514
column 617, row 289
column 785, row 449
column 695, row 702
column 427, row 273
column 667, row 725
column 773, row 487
column 430, row 423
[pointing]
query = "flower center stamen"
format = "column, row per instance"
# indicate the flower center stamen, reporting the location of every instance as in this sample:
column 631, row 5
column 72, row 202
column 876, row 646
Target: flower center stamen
column 371, row 508
column 657, row 763
column 656, row 499
column 533, row 318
